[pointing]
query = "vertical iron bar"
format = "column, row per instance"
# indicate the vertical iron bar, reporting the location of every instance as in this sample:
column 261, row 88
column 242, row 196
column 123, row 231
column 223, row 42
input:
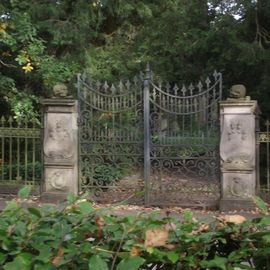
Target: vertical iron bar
column 78, row 97
column 34, row 157
column 26, row 158
column 10, row 150
column 220, row 86
column 3, row 121
column 207, row 102
column 267, row 156
column 258, row 184
column 18, row 154
column 2, row 156
column 147, row 132
column 79, row 123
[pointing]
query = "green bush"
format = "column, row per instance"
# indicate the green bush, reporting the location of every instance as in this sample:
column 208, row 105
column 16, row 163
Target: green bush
column 30, row 170
column 78, row 236
column 106, row 174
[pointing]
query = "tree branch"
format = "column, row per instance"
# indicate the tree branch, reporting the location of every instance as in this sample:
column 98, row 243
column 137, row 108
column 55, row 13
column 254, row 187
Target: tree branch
column 7, row 65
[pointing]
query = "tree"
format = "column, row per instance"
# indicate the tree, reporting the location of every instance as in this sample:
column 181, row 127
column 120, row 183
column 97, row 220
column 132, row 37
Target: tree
column 44, row 42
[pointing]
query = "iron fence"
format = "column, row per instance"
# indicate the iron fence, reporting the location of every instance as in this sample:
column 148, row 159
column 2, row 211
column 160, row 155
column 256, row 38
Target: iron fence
column 20, row 155
column 263, row 176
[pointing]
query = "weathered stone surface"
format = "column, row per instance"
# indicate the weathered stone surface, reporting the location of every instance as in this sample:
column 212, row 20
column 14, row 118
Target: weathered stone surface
column 232, row 204
column 59, row 138
column 237, row 145
column 60, row 146
column 238, row 93
column 238, row 151
column 59, row 178
column 238, row 185
column 60, row 90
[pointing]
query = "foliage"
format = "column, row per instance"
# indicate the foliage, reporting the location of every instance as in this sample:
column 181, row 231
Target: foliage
column 25, row 172
column 24, row 107
column 43, row 43
column 78, row 236
column 106, row 174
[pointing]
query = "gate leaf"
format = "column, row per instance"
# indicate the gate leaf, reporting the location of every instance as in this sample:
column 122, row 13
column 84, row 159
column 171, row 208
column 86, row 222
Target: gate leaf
column 97, row 263
column 132, row 263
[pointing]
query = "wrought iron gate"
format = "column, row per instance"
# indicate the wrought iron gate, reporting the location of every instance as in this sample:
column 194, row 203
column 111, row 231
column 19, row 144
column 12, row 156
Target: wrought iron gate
column 169, row 133
column 111, row 138
column 183, row 125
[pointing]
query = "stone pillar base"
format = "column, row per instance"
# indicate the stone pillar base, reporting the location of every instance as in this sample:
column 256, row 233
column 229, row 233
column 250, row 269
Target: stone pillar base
column 235, row 204
column 52, row 197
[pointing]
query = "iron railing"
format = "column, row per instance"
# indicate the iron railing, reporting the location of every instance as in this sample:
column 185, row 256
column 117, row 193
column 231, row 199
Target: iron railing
column 263, row 182
column 20, row 157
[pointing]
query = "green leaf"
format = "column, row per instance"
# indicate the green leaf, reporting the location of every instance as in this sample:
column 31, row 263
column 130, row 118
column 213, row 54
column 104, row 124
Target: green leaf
column 85, row 208
column 132, row 263
column 35, row 212
column 187, row 216
column 172, row 256
column 12, row 205
column 47, row 209
column 260, row 204
column 44, row 267
column 2, row 258
column 266, row 238
column 21, row 262
column 45, row 253
column 218, row 262
column 97, row 263
column 71, row 198
column 24, row 192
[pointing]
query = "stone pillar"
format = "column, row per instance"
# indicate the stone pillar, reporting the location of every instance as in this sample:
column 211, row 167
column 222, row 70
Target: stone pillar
column 238, row 150
column 60, row 149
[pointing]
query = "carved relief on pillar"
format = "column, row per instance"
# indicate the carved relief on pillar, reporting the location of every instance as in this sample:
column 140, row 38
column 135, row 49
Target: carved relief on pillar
column 238, row 187
column 237, row 141
column 58, row 179
column 59, row 139
column 236, row 130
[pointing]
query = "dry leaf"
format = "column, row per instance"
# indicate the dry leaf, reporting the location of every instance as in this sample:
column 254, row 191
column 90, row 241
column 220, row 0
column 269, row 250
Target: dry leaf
column 170, row 226
column 55, row 260
column 170, row 246
column 156, row 237
column 135, row 251
column 236, row 219
column 100, row 225
column 202, row 228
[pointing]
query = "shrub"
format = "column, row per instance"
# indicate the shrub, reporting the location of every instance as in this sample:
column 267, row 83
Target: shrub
column 25, row 171
column 78, row 236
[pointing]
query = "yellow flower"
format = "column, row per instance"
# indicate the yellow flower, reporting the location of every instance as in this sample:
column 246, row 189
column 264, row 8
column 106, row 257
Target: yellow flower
column 27, row 68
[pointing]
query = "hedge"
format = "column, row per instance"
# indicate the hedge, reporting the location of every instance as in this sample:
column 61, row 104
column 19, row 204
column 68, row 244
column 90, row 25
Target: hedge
column 78, row 236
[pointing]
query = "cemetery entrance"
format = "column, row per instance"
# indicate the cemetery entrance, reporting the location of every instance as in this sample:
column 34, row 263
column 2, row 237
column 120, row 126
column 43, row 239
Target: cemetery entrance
column 148, row 141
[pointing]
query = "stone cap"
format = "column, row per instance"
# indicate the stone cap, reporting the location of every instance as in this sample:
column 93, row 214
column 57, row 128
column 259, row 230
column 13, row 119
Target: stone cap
column 58, row 101
column 252, row 104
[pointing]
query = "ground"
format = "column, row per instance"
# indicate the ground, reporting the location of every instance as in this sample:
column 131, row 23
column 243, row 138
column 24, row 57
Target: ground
column 128, row 209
